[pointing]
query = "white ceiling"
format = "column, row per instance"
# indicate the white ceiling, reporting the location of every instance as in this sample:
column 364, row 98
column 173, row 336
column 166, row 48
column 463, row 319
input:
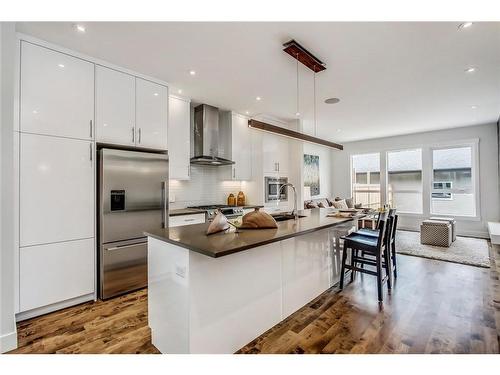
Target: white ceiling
column 392, row 78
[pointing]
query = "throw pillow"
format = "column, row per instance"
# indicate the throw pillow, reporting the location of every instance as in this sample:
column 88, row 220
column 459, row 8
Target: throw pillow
column 311, row 205
column 329, row 201
column 349, row 202
column 321, row 205
column 341, row 205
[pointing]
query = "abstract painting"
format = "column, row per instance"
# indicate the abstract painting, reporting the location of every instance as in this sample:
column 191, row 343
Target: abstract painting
column 311, row 173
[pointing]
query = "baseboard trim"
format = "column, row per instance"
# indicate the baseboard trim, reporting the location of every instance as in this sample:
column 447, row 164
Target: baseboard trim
column 8, row 342
column 54, row 307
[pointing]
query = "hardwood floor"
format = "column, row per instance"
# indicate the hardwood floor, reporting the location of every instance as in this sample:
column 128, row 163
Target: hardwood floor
column 118, row 325
column 435, row 307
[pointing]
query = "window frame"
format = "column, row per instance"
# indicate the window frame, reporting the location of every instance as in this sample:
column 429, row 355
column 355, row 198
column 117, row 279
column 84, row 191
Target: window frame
column 474, row 146
column 427, row 178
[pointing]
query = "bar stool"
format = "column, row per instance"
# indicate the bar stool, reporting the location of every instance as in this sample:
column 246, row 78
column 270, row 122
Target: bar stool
column 392, row 239
column 369, row 246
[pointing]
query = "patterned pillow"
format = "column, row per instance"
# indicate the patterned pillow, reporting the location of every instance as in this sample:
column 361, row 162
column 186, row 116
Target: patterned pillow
column 341, row 205
column 329, row 201
column 349, row 202
column 310, row 204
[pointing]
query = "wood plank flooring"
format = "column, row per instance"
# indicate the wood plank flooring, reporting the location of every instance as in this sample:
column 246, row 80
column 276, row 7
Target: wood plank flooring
column 435, row 307
column 118, row 325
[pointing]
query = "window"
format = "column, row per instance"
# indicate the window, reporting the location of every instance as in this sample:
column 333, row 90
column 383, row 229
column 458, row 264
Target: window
column 366, row 179
column 453, row 190
column 404, row 180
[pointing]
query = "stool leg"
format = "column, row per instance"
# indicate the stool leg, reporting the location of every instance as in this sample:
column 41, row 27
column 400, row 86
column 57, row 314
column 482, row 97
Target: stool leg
column 379, row 278
column 393, row 251
column 352, row 263
column 342, row 270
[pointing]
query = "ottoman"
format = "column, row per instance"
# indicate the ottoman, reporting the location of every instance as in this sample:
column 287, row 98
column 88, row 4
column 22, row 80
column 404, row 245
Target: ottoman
column 436, row 233
column 453, row 225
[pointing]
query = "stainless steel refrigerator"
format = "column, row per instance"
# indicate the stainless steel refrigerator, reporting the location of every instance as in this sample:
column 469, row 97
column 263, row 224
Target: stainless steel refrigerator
column 132, row 198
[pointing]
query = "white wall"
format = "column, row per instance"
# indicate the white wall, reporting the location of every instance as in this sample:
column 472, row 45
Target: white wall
column 488, row 169
column 325, row 168
column 8, row 335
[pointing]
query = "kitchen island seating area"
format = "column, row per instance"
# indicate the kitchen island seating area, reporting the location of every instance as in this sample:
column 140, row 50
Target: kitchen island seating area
column 374, row 251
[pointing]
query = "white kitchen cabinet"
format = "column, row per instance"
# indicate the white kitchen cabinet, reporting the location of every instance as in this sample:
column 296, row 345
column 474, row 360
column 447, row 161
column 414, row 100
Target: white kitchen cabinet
column 275, row 154
column 115, row 107
column 178, row 220
column 151, row 114
column 241, row 148
column 55, row 272
column 56, row 189
column 57, row 93
column 179, row 150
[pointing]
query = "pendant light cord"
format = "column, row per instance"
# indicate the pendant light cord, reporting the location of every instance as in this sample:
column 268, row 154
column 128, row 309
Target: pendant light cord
column 314, row 98
column 297, row 114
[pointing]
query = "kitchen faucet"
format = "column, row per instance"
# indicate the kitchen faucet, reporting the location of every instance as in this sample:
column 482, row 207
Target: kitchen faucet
column 295, row 213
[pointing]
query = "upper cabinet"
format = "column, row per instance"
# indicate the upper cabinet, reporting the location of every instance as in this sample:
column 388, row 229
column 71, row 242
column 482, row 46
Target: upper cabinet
column 57, row 93
column 275, row 154
column 241, row 148
column 151, row 114
column 115, row 107
column 179, row 125
column 130, row 111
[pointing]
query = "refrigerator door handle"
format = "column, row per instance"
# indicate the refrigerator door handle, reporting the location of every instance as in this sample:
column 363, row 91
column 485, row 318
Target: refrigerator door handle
column 164, row 205
column 121, row 247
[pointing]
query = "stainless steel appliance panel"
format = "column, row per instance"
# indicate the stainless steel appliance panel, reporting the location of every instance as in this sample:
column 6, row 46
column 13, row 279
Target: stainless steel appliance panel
column 123, row 267
column 272, row 187
column 132, row 194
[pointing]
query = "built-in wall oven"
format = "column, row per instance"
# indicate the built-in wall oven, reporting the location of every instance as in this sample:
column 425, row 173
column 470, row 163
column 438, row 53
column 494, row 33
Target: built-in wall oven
column 273, row 186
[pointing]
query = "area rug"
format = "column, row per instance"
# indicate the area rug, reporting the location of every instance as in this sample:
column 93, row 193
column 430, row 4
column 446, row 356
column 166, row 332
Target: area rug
column 465, row 250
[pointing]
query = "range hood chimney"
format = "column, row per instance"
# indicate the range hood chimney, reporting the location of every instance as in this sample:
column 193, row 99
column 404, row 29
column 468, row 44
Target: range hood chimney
column 206, row 137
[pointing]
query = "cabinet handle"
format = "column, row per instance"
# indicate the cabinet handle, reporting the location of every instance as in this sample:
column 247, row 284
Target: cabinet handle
column 234, row 172
column 90, row 154
column 133, row 135
column 90, row 123
column 189, row 219
column 189, row 170
column 139, row 135
column 278, row 166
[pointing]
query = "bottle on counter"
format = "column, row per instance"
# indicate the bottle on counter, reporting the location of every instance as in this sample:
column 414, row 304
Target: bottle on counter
column 231, row 200
column 240, row 200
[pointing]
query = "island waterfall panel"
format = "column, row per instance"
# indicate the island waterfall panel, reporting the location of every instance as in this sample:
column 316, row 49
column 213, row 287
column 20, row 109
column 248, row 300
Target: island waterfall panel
column 200, row 304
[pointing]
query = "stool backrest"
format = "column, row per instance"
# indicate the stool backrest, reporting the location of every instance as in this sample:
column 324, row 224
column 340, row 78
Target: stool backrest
column 394, row 227
column 383, row 219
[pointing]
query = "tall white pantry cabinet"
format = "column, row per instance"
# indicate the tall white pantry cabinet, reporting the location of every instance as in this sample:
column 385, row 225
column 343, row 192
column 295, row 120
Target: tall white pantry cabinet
column 60, row 99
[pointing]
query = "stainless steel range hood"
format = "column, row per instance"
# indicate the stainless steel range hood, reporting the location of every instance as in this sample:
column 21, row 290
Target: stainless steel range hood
column 206, row 137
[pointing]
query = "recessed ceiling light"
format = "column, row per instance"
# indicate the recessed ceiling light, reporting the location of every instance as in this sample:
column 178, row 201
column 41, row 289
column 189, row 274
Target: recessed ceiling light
column 297, row 114
column 339, row 130
column 258, row 98
column 80, row 28
column 35, row 111
column 473, row 106
column 155, row 94
column 470, row 70
column 179, row 91
column 192, row 72
column 60, row 65
column 246, row 112
column 332, row 100
column 464, row 25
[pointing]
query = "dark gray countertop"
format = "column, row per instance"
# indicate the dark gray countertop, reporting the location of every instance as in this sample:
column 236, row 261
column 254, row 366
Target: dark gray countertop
column 191, row 211
column 193, row 237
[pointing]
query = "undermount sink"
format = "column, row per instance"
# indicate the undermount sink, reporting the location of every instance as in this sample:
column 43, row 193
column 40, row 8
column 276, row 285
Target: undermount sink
column 283, row 217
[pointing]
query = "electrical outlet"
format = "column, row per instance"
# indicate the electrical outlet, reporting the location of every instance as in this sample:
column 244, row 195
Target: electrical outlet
column 180, row 271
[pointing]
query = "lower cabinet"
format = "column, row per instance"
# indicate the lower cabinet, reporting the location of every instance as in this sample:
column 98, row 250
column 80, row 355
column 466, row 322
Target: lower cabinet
column 57, row 272
column 178, row 220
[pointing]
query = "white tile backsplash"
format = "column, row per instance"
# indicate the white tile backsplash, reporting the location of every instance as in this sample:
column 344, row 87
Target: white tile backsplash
column 204, row 187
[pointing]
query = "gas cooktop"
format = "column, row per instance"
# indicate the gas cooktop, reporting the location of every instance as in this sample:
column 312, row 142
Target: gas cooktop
column 228, row 211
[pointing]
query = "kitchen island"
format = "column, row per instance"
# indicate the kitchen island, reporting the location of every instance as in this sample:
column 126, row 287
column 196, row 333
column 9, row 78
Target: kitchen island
column 214, row 294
